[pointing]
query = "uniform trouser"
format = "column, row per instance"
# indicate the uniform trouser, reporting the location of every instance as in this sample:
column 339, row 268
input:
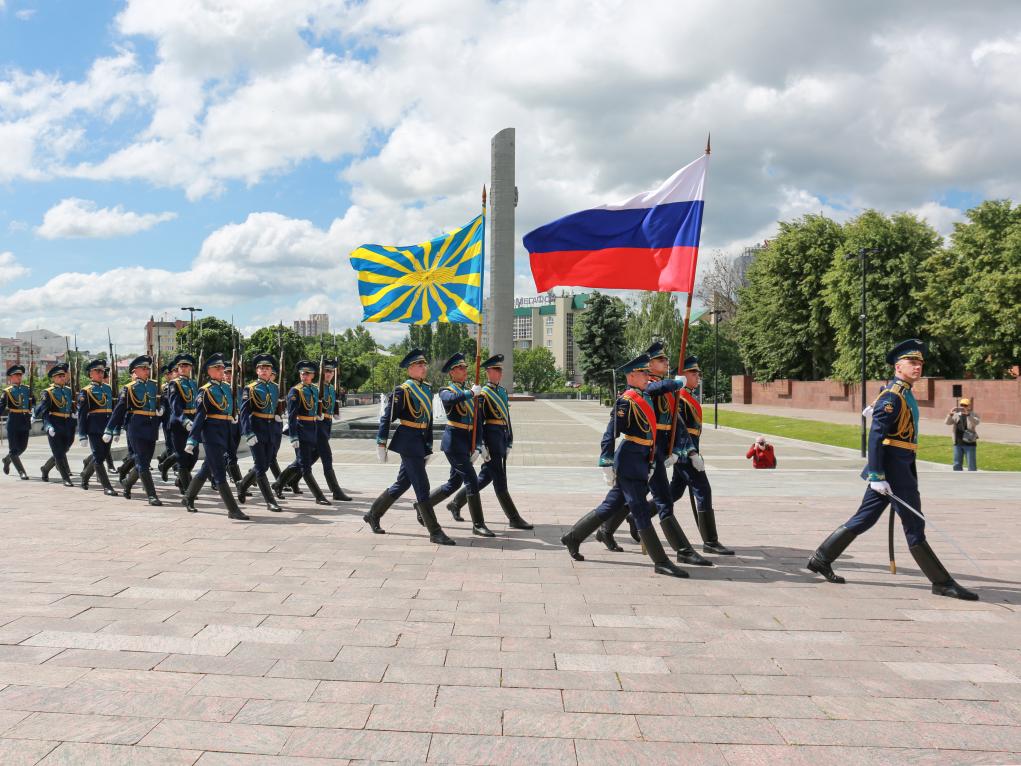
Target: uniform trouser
column 659, row 486
column 17, row 440
column 232, row 444
column 276, row 439
column 263, row 452
column 686, row 476
column 100, row 449
column 179, row 438
column 141, row 451
column 630, row 492
column 62, row 441
column 305, row 456
column 324, row 451
column 461, row 472
column 494, row 471
column 411, row 474
column 874, row 503
column 214, row 466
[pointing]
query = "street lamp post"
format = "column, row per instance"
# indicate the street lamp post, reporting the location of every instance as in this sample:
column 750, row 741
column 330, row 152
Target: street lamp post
column 864, row 254
column 716, row 314
column 191, row 321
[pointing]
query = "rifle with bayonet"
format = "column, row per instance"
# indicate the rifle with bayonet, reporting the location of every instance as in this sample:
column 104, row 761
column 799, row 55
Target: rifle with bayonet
column 112, row 362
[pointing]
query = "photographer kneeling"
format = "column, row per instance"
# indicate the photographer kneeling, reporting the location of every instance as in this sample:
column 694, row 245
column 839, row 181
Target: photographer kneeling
column 965, row 423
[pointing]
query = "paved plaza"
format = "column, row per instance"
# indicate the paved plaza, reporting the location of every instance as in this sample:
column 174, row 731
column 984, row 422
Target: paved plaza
column 138, row 635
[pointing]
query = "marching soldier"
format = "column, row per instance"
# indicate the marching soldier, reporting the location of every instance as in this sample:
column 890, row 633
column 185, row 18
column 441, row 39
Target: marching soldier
column 689, row 470
column 664, row 401
column 459, row 403
column 233, row 469
column 277, row 433
column 168, row 457
column 258, row 414
column 95, row 405
column 182, row 405
column 214, row 406
column 138, row 412
column 498, row 437
column 17, row 402
column 628, row 469
column 303, row 430
column 411, row 405
column 891, row 471
column 56, row 410
column 329, row 408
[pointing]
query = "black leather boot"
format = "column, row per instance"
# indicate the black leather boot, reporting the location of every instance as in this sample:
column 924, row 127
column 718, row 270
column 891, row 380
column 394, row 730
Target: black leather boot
column 109, row 464
column 47, row 467
column 379, row 506
column 166, row 464
column 65, row 471
column 16, row 459
column 125, row 468
column 478, row 520
column 632, row 529
column 7, row 464
column 88, row 468
column 233, row 512
column 677, row 540
column 267, row 493
column 295, row 485
column 274, row 467
column 313, row 485
column 150, row 487
column 234, row 471
column 436, row 497
column 129, row 482
column 942, row 583
column 104, row 480
column 436, row 533
column 284, row 480
column 654, row 550
column 514, row 520
column 710, row 539
column 333, row 484
column 607, row 529
column 582, row 528
column 830, row 551
column 244, row 484
column 457, row 503
column 191, row 492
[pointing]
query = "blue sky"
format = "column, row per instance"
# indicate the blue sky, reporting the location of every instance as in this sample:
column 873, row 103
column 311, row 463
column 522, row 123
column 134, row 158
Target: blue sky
column 229, row 154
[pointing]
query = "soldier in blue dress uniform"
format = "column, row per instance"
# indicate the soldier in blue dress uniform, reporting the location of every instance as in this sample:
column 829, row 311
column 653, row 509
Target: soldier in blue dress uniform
column 664, row 400
column 278, row 428
column 182, row 407
column 329, row 408
column 138, row 410
column 627, row 469
column 893, row 442
column 95, row 405
column 689, row 470
column 16, row 401
column 56, row 410
column 214, row 407
column 233, row 469
column 459, row 403
column 411, row 406
column 303, row 431
column 497, row 435
column 258, row 422
column 166, row 456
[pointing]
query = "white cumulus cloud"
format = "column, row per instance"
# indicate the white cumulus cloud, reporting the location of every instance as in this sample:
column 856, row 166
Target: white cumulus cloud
column 10, row 269
column 74, row 218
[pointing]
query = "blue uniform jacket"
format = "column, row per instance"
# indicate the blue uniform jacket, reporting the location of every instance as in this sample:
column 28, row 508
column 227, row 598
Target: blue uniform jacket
column 329, row 407
column 259, row 408
column 303, row 413
column 215, row 407
column 663, row 402
column 17, row 402
column 56, row 407
column 628, row 419
column 411, row 406
column 182, row 404
column 893, row 437
column 95, row 405
column 497, row 432
column 459, row 404
column 136, row 407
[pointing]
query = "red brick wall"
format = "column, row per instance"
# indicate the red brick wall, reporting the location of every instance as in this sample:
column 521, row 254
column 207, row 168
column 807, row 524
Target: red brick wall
column 997, row 401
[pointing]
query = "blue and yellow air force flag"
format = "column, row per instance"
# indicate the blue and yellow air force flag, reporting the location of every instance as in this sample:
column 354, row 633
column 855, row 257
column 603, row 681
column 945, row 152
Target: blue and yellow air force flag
column 436, row 281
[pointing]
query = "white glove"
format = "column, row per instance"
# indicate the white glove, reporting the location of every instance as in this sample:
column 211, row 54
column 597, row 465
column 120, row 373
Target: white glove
column 609, row 476
column 278, row 418
column 428, row 458
column 234, row 420
column 188, row 425
column 252, row 440
column 476, row 389
column 51, row 431
column 320, row 416
column 681, row 379
column 83, row 441
column 295, row 444
column 381, row 453
column 159, row 412
column 882, row 487
column 484, row 451
column 117, row 438
column 697, row 462
column 867, row 412
column 475, row 456
column 189, row 448
column 670, row 460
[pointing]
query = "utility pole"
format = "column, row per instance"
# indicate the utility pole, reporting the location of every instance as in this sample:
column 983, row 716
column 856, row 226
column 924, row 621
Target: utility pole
column 191, row 322
column 863, row 254
column 716, row 314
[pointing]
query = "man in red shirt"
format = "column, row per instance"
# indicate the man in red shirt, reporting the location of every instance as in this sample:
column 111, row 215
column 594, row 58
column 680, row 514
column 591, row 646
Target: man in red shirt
column 762, row 454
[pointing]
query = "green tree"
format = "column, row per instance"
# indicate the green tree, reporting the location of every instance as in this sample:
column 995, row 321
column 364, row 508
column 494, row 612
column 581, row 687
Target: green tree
column 973, row 295
column 657, row 317
column 702, row 343
column 355, row 341
column 895, row 284
column 782, row 322
column 384, row 372
column 209, row 335
column 267, row 340
column 599, row 333
column 535, row 370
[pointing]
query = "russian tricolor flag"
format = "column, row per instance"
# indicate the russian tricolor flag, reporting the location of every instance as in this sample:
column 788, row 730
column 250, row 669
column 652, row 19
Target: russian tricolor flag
column 649, row 242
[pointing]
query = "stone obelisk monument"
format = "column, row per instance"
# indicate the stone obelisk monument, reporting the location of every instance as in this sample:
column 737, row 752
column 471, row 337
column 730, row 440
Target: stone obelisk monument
column 503, row 199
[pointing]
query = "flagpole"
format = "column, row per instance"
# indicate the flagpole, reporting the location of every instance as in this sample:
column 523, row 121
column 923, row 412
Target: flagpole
column 684, row 337
column 478, row 331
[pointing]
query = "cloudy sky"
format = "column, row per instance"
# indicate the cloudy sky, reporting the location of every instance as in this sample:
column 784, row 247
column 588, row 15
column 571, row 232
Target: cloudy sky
column 228, row 154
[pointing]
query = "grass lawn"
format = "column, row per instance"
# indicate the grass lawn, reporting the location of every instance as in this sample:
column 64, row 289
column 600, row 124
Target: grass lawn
column 936, row 449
